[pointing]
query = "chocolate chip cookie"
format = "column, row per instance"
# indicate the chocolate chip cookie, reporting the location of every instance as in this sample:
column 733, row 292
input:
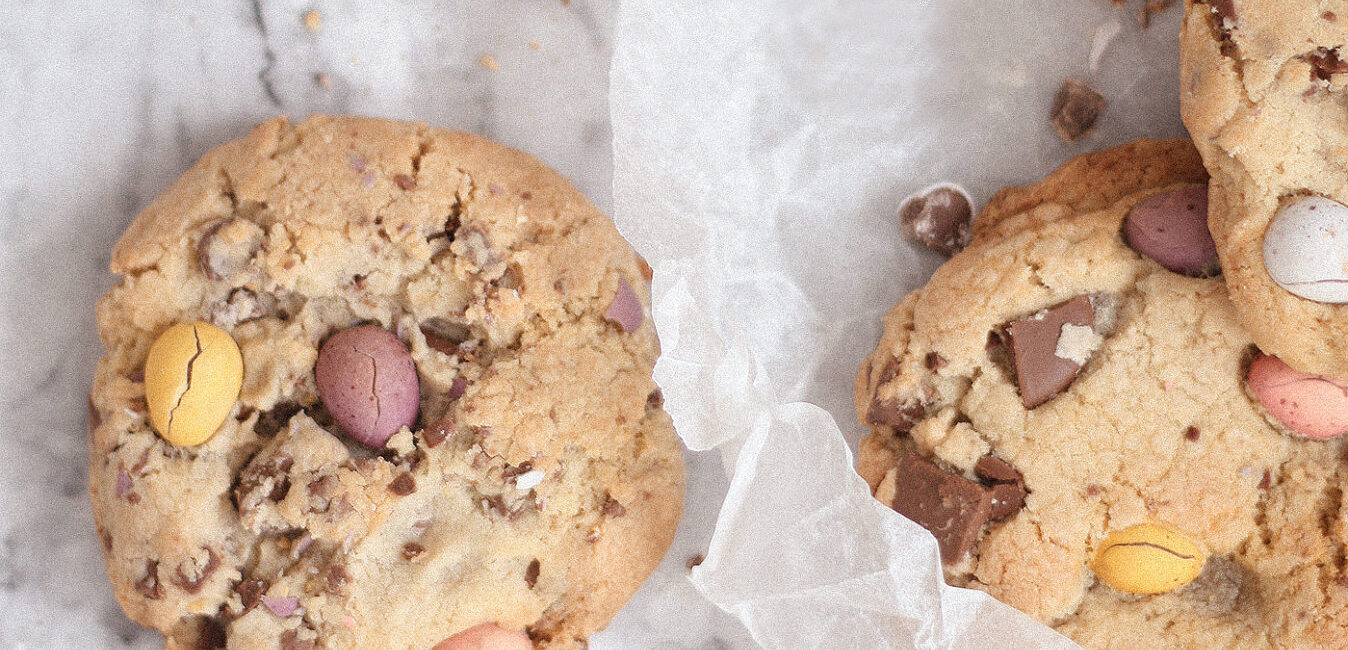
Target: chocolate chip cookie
column 1065, row 407
column 1263, row 93
column 399, row 385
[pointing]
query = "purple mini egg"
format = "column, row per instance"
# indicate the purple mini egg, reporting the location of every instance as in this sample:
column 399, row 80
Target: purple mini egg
column 1172, row 228
column 369, row 383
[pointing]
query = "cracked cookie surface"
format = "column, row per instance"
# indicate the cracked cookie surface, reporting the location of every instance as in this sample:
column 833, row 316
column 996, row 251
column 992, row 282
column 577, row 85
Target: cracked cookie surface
column 1154, row 426
column 542, row 480
column 1263, row 95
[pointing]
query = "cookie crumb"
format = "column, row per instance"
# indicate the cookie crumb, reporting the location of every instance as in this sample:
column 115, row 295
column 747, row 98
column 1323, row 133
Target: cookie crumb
column 489, row 62
column 536, row 46
column 1076, row 107
column 323, row 81
column 313, row 21
column 694, row 561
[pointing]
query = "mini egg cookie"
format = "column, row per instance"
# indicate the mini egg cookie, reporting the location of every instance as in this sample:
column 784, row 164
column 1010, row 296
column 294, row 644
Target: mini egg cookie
column 377, row 385
column 1067, row 406
column 1263, row 92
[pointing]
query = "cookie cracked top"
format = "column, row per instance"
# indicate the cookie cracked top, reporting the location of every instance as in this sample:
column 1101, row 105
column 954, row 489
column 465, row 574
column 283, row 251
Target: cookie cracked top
column 1023, row 454
column 541, row 481
column 1263, row 95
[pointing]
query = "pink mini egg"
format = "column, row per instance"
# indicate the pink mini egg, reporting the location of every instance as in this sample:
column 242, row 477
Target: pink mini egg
column 1313, row 406
column 369, row 383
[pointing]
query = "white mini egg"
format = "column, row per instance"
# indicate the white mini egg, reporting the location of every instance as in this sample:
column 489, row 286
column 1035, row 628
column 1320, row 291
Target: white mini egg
column 1306, row 249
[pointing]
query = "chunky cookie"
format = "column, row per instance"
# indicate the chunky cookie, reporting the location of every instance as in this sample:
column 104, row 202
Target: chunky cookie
column 1265, row 97
column 373, row 384
column 1065, row 406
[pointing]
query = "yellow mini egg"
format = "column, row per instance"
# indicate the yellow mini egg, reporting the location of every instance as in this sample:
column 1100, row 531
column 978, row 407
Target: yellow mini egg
column 192, row 379
column 1148, row 559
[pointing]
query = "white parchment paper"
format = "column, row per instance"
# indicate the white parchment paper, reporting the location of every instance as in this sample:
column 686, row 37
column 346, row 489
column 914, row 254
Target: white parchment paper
column 761, row 148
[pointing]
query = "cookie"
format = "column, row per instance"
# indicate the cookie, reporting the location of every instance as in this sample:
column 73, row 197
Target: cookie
column 445, row 415
column 1071, row 419
column 1263, row 95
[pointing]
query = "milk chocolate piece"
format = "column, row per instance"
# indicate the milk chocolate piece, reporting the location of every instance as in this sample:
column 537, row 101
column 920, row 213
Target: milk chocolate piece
column 892, row 413
column 938, row 219
column 952, row 507
column 1040, row 373
column 1008, row 486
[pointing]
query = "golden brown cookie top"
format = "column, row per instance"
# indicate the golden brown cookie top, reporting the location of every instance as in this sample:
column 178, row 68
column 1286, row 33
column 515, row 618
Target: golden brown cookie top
column 540, row 481
column 1051, row 385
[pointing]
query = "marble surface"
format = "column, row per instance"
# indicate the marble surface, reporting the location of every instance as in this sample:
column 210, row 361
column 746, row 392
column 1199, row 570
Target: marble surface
column 103, row 104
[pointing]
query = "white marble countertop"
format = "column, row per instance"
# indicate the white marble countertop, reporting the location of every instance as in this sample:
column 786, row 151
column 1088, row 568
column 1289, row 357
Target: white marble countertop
column 103, row 104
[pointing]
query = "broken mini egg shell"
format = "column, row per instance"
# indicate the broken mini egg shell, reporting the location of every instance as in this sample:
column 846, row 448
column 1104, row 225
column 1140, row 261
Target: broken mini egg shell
column 1306, row 249
column 192, row 378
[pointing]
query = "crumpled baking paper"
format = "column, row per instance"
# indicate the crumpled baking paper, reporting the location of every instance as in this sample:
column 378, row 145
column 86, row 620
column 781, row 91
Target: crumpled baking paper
column 760, row 150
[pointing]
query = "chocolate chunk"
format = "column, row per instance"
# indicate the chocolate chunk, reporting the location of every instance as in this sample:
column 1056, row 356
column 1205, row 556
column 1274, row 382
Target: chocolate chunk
column 995, row 470
column 403, row 485
column 291, row 641
column 1226, row 13
column 270, row 422
column 1076, row 107
column 892, row 413
column 934, row 361
column 1007, row 499
column 952, row 507
column 531, row 574
column 1326, row 63
column 1008, row 486
column 212, row 634
column 1040, row 373
column 938, row 219
column 149, row 586
column 1191, row 434
column 269, row 472
column 445, row 336
column 436, row 434
column 192, row 579
column 656, row 400
column 250, row 591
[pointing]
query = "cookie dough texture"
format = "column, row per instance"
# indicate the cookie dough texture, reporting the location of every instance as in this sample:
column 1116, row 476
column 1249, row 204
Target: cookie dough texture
column 539, row 488
column 1157, row 427
column 1262, row 92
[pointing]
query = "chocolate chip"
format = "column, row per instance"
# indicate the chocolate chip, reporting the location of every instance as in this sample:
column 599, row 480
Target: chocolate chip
column 403, row 485
column 1076, row 107
column 406, row 182
column 938, row 219
column 149, row 586
column 889, row 372
column 191, row 580
column 411, row 550
column 250, row 591
column 1040, row 373
column 1326, row 63
column 934, row 361
column 337, row 579
column 655, row 400
column 952, row 507
column 531, row 574
column 270, row 471
column 1191, row 434
column 1328, row 15
column 893, row 413
column 1267, row 481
